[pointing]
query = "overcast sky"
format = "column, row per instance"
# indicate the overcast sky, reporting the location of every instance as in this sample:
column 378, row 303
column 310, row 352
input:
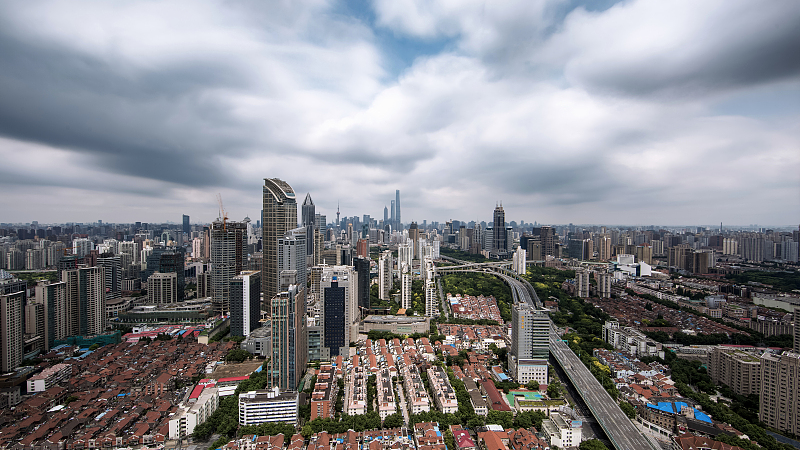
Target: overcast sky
column 637, row 112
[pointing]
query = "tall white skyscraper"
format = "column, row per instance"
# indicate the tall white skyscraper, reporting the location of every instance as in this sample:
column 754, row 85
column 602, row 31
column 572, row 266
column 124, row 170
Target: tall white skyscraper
column 431, row 293
column 405, row 285
column 385, row 275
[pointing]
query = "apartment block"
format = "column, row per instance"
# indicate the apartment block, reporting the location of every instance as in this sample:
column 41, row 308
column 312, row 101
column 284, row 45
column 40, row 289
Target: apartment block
column 323, row 397
column 738, row 369
column 385, row 391
column 779, row 405
column 443, row 392
column 268, row 405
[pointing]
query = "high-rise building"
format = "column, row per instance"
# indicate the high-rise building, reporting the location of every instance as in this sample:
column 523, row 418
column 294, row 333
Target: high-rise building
column 187, row 227
column 385, row 215
column 582, row 283
column 405, row 285
column 292, row 256
column 392, row 219
column 431, row 293
column 112, row 267
column 85, row 301
column 779, row 402
column 499, row 237
column 337, row 286
column 519, row 261
column 385, row 275
column 289, row 338
column 548, row 239
column 797, row 330
column 228, row 259
column 398, row 218
column 53, row 298
column 361, row 266
column 604, row 280
column 11, row 330
column 279, row 216
column 162, row 288
column 362, row 248
column 245, row 297
column 736, row 368
column 309, row 222
column 530, row 343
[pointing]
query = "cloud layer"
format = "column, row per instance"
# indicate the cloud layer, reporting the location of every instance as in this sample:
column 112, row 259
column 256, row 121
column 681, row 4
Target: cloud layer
column 143, row 111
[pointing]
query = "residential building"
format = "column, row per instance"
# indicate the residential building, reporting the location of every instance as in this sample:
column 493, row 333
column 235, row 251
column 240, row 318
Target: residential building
column 431, row 292
column 268, row 405
column 385, row 394
column 361, row 266
column 443, row 393
column 85, row 312
column 112, row 270
column 582, row 283
column 385, row 281
column 200, row 407
column 323, row 397
column 405, row 285
column 292, row 256
column 279, row 216
column 779, row 405
column 738, row 369
column 245, row 302
column 49, row 377
column 11, row 330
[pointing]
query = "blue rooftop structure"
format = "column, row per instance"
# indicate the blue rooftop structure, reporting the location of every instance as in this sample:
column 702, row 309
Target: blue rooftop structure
column 675, row 408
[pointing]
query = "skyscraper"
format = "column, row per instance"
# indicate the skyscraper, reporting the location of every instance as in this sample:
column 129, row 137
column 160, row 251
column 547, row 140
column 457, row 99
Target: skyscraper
column 228, row 259
column 187, row 227
column 530, row 344
column 292, row 256
column 405, row 285
column 385, row 264
column 499, row 236
column 779, row 405
column 112, row 266
column 397, row 210
column 85, row 311
column 431, row 293
column 337, row 286
column 309, row 222
column 11, row 330
column 289, row 338
column 361, row 266
column 280, row 216
column 393, row 214
column 385, row 215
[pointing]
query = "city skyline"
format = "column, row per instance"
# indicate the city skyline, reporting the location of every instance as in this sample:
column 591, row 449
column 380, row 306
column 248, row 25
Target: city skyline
column 622, row 112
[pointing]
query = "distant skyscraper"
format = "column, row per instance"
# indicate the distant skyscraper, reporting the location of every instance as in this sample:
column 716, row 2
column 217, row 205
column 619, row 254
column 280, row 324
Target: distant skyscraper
column 280, row 216
column 392, row 219
column 397, row 210
column 309, row 221
column 228, row 259
column 245, row 303
column 499, row 236
column 11, row 331
column 797, row 330
column 187, row 227
column 385, row 275
column 385, row 215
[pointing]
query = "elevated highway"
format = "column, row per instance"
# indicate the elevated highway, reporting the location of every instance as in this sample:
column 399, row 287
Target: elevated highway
column 622, row 433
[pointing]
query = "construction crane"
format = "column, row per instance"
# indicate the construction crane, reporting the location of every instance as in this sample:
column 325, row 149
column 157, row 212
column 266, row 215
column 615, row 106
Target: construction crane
column 222, row 214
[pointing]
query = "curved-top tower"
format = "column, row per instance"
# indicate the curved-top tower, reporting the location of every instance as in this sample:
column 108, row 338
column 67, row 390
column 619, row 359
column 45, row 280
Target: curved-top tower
column 280, row 216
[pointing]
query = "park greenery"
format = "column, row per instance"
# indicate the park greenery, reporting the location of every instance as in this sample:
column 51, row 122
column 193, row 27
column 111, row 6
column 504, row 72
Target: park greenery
column 461, row 255
column 783, row 281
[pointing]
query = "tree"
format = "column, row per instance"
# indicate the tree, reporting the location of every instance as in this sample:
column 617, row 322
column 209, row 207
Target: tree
column 592, row 444
column 628, row 409
column 237, row 355
column 554, row 389
column 393, row 421
column 502, row 418
column 532, row 385
column 307, row 431
column 94, row 347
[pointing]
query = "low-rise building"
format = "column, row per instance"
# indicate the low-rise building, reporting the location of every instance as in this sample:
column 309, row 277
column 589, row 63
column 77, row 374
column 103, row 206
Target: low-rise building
column 263, row 406
column 49, row 377
column 385, row 391
column 323, row 397
column 562, row 431
column 202, row 403
column 416, row 394
column 396, row 324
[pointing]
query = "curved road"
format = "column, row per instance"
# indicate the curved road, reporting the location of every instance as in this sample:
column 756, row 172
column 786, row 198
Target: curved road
column 622, row 433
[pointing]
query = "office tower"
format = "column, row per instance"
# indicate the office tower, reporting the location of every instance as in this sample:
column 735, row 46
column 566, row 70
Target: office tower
column 309, row 222
column 166, row 260
column 530, row 343
column 85, row 301
column 292, row 256
column 112, row 268
column 499, row 236
column 582, row 283
column 279, row 216
column 385, row 275
column 187, row 227
column 398, row 218
column 11, row 330
column 431, row 293
column 361, row 266
column 779, row 405
column 289, row 338
column 337, row 286
column 548, row 239
column 162, row 288
column 228, row 259
column 405, row 285
column 385, row 215
column 245, row 295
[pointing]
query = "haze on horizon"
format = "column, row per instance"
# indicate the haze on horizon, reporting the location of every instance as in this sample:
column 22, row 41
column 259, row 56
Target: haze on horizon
column 634, row 112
